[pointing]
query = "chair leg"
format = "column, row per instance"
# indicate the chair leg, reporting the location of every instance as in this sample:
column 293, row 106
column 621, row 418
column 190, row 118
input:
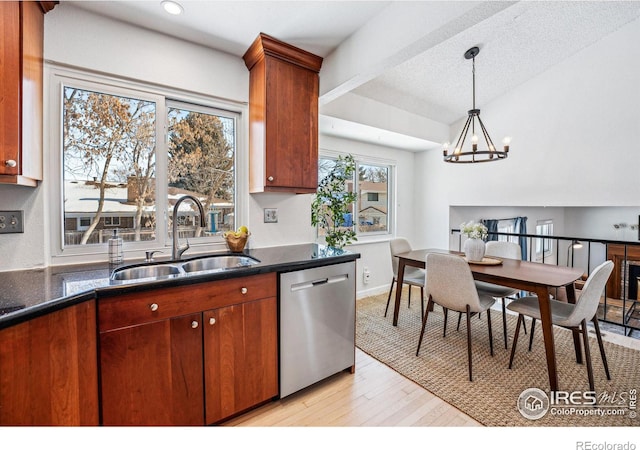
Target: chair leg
column 587, row 354
column 424, row 324
column 515, row 339
column 459, row 319
column 596, row 325
column 421, row 301
column 533, row 328
column 444, row 327
column 469, row 341
column 504, row 322
column 490, row 332
column 409, row 303
column 389, row 297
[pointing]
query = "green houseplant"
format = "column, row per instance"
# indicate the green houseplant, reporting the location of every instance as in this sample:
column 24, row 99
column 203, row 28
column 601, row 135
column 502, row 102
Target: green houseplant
column 332, row 203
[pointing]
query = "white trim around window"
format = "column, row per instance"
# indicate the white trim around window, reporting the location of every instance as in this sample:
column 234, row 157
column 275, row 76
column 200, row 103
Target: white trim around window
column 56, row 78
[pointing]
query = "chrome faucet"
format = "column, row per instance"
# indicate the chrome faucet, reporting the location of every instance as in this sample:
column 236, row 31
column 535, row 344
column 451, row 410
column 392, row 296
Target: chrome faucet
column 177, row 249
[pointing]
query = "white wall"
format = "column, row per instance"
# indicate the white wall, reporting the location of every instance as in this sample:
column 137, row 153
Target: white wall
column 575, row 129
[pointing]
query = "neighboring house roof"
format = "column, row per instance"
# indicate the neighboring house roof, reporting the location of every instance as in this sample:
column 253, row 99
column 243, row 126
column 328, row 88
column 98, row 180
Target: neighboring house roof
column 380, row 209
column 81, row 197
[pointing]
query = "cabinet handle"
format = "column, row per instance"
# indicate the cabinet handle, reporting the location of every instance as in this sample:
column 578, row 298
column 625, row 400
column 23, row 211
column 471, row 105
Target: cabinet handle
column 244, row 290
column 153, row 307
column 194, row 324
column 270, row 178
column 10, row 163
column 212, row 321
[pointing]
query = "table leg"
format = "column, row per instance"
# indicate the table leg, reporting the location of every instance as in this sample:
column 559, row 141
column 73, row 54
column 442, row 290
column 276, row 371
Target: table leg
column 547, row 331
column 399, row 284
column 571, row 298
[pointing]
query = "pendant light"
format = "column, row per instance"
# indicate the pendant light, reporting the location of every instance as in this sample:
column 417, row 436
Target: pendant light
column 459, row 154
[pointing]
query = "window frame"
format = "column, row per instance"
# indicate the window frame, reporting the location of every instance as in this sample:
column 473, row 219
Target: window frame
column 391, row 165
column 547, row 252
column 57, row 78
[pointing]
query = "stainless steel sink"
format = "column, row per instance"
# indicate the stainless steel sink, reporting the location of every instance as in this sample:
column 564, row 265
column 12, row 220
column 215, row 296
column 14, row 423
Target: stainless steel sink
column 176, row 269
column 142, row 272
column 215, row 263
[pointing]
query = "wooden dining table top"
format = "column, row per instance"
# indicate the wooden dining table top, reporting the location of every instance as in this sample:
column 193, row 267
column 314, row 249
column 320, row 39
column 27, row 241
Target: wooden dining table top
column 532, row 273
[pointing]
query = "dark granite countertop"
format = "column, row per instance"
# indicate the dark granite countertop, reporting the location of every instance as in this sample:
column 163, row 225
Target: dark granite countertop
column 27, row 294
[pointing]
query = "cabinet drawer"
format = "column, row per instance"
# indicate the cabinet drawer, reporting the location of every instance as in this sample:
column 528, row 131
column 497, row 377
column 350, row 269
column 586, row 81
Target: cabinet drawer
column 143, row 307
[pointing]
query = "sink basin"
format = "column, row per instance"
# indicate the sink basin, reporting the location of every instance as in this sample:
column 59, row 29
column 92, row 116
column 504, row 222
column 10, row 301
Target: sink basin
column 179, row 269
column 223, row 262
column 141, row 272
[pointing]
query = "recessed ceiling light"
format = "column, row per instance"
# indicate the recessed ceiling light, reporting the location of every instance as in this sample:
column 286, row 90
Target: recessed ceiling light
column 172, row 7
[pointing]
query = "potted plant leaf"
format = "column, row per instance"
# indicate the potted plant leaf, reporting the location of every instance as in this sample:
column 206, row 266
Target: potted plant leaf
column 331, row 206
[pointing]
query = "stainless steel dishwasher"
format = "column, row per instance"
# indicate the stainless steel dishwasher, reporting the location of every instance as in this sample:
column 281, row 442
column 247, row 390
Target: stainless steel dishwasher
column 317, row 324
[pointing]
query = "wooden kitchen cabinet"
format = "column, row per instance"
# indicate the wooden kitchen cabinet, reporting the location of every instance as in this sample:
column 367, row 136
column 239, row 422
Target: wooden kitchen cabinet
column 283, row 117
column 241, row 366
column 188, row 355
column 152, row 373
column 49, row 369
column 21, row 69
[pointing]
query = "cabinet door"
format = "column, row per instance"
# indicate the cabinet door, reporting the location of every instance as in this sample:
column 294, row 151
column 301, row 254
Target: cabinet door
column 49, row 369
column 152, row 373
column 291, row 127
column 9, row 87
column 240, row 357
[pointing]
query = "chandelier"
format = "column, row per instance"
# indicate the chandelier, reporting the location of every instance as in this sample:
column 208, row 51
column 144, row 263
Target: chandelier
column 459, row 155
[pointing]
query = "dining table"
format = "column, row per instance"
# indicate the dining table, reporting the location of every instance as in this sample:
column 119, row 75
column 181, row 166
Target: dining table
column 529, row 276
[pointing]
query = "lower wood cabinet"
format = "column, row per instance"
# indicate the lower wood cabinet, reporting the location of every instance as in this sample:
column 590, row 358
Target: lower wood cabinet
column 152, row 373
column 241, row 358
column 195, row 368
column 49, row 369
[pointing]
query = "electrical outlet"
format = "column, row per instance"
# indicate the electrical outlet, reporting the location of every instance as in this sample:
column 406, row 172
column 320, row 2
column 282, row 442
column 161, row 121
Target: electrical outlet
column 11, row 222
column 366, row 276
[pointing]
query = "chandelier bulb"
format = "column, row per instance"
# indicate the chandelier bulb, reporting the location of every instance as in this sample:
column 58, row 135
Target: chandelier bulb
column 506, row 141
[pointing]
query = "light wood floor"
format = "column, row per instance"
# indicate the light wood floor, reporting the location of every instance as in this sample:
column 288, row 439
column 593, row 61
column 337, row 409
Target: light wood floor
column 374, row 395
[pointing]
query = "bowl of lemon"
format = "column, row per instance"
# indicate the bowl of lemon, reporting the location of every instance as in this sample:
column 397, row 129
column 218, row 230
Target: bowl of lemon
column 236, row 240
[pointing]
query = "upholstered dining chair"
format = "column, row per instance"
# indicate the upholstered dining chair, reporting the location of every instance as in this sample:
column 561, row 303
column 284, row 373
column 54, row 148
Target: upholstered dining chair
column 413, row 276
column 450, row 284
column 570, row 315
column 501, row 249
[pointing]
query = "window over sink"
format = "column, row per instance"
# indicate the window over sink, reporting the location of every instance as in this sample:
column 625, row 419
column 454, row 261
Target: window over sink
column 129, row 152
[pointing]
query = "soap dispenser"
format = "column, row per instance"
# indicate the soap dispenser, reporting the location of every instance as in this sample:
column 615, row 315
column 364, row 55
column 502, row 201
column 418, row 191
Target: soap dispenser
column 116, row 254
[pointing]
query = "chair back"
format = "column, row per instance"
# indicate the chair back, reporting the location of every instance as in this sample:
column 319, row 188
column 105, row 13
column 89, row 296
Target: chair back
column 503, row 249
column 397, row 246
column 587, row 304
column 450, row 283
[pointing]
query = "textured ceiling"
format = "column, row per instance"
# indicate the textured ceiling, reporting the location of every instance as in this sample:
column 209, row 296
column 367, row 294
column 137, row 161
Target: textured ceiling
column 515, row 45
column 517, row 41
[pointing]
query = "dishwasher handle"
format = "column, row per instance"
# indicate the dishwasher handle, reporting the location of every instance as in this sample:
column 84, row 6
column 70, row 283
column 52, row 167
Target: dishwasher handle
column 319, row 282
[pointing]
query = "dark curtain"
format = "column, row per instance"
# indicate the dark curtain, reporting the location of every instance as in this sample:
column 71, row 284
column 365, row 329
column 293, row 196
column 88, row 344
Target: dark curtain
column 520, row 227
column 492, row 228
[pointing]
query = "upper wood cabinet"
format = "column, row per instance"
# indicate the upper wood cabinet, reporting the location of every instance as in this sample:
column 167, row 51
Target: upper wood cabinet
column 21, row 68
column 283, row 117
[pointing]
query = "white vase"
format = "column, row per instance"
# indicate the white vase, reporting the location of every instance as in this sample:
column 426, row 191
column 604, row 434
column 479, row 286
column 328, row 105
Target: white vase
column 474, row 249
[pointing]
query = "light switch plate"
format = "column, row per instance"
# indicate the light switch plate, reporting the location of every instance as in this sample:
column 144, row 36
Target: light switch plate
column 11, row 222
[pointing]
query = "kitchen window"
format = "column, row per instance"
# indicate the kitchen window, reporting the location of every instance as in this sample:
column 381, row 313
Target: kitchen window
column 127, row 156
column 372, row 211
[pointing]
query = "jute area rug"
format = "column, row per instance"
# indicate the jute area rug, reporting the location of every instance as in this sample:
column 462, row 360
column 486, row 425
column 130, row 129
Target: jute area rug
column 492, row 397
